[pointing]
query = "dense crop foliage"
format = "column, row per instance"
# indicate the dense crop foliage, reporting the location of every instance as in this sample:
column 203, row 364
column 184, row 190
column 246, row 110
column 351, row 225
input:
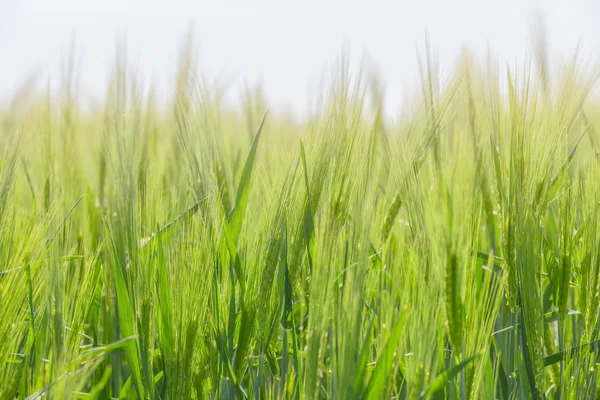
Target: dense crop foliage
column 198, row 253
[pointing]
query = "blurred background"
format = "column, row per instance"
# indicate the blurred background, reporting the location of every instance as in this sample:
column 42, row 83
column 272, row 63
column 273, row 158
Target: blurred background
column 287, row 49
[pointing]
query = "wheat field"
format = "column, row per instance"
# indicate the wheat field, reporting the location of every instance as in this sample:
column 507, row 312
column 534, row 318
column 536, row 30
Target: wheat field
column 198, row 252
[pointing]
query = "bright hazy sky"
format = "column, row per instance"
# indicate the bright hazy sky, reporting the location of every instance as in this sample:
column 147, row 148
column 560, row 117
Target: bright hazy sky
column 287, row 47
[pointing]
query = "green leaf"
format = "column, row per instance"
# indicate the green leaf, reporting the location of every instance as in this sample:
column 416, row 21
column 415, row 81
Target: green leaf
column 363, row 359
column 64, row 220
column 570, row 353
column 166, row 336
column 126, row 320
column 442, row 379
column 97, row 388
column 376, row 387
column 285, row 282
column 241, row 200
column 188, row 213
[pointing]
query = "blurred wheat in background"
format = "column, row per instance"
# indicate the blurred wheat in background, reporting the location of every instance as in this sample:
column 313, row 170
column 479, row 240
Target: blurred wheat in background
column 203, row 252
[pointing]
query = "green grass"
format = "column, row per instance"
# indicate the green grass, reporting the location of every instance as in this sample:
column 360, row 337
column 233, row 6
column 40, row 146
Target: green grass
column 196, row 252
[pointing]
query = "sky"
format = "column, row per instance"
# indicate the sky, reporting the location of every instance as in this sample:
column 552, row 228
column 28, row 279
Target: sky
column 286, row 46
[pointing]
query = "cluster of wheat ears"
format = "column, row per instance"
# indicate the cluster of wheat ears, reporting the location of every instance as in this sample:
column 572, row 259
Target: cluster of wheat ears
column 194, row 251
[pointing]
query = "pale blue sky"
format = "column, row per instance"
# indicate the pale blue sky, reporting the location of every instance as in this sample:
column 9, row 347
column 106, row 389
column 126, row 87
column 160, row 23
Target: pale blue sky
column 286, row 46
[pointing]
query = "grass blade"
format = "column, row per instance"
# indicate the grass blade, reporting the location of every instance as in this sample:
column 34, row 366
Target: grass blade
column 440, row 381
column 377, row 383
